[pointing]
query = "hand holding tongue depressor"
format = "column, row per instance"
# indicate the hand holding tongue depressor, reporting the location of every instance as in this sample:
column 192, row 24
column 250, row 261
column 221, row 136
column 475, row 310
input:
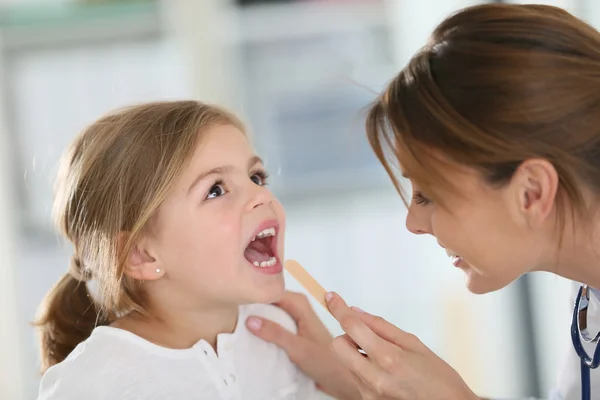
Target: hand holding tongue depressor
column 311, row 285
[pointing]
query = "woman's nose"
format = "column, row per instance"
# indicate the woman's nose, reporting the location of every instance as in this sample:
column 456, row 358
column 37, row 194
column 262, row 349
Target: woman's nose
column 418, row 221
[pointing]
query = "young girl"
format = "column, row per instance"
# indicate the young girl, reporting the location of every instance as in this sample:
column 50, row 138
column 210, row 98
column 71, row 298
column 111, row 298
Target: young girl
column 176, row 241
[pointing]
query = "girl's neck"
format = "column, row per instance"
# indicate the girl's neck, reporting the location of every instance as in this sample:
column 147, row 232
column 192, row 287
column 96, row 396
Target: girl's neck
column 181, row 329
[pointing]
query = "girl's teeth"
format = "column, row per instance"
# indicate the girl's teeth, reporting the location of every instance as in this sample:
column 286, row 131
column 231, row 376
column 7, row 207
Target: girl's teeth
column 265, row 233
column 264, row 264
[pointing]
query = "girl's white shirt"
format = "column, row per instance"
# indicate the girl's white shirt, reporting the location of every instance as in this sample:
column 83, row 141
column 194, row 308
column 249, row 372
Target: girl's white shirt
column 116, row 364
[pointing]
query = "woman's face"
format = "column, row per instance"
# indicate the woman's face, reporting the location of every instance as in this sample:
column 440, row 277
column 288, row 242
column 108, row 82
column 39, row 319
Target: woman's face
column 493, row 234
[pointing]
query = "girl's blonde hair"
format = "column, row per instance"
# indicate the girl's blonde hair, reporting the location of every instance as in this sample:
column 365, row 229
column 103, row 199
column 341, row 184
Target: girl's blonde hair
column 111, row 181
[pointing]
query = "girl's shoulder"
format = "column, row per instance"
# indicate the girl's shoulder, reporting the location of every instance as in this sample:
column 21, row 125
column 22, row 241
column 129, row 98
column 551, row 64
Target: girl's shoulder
column 71, row 376
column 95, row 366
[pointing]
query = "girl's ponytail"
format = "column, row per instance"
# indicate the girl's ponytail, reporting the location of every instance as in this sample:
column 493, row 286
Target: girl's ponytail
column 68, row 316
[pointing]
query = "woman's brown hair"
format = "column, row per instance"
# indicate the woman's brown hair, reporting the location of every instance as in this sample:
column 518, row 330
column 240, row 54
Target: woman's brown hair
column 111, row 181
column 497, row 84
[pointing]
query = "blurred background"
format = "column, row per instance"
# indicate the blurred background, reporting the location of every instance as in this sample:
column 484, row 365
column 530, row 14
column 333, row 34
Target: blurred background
column 301, row 73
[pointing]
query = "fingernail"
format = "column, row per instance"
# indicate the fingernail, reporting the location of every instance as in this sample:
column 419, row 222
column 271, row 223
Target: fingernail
column 328, row 296
column 357, row 309
column 254, row 323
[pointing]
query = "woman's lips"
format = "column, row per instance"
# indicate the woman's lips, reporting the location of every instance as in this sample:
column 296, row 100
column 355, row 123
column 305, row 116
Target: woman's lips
column 455, row 258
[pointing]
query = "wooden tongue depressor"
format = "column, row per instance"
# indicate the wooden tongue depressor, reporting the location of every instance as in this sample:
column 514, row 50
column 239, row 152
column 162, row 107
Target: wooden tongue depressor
column 311, row 285
column 307, row 281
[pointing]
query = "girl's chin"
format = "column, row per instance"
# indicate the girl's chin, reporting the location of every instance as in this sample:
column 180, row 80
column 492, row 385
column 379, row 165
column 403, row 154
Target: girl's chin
column 270, row 293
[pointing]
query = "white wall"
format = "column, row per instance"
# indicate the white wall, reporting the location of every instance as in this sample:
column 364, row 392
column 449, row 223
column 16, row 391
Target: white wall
column 413, row 22
column 11, row 367
column 202, row 31
column 552, row 306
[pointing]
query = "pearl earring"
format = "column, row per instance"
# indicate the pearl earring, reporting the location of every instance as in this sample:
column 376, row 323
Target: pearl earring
column 157, row 270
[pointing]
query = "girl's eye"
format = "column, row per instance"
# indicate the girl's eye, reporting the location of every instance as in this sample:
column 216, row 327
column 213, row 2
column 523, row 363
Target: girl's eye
column 419, row 199
column 217, row 190
column 260, row 178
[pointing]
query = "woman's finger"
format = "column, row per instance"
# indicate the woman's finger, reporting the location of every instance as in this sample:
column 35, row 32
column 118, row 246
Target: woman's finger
column 374, row 382
column 295, row 304
column 390, row 332
column 377, row 349
column 351, row 324
column 367, row 371
column 299, row 308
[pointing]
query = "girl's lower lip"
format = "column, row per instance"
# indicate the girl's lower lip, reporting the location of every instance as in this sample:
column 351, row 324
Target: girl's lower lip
column 270, row 270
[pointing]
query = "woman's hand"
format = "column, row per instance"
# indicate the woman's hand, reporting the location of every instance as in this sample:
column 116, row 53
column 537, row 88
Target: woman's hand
column 310, row 349
column 397, row 366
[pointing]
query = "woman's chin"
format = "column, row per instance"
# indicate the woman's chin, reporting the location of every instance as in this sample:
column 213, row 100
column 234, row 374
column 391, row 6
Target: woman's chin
column 479, row 284
column 475, row 288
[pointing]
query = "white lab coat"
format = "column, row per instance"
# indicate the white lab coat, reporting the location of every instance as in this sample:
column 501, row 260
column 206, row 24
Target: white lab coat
column 569, row 379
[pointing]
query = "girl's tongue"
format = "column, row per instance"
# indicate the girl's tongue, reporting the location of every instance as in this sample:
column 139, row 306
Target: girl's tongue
column 259, row 252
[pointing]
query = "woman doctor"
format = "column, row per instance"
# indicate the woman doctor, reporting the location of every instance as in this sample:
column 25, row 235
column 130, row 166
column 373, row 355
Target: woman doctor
column 496, row 122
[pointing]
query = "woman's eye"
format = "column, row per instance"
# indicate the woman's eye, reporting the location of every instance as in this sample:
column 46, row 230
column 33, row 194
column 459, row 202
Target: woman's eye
column 217, row 190
column 418, row 198
column 259, row 178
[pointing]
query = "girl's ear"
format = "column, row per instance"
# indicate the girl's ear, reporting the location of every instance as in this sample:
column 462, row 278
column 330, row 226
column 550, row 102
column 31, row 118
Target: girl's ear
column 141, row 263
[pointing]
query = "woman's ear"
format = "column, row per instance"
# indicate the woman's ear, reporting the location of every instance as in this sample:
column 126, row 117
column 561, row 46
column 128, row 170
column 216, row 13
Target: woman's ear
column 140, row 263
column 536, row 183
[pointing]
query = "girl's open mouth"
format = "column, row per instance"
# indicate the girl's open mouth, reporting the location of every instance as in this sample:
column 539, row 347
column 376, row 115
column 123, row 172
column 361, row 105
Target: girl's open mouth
column 261, row 251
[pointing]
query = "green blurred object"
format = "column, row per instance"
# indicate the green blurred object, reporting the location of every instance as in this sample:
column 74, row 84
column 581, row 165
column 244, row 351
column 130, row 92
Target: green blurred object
column 113, row 1
column 80, row 11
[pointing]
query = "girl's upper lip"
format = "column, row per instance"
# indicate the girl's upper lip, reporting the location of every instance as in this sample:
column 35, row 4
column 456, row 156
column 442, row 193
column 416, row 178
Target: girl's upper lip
column 269, row 223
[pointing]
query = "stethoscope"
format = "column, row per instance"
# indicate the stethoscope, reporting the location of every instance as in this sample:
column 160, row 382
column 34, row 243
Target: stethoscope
column 579, row 330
